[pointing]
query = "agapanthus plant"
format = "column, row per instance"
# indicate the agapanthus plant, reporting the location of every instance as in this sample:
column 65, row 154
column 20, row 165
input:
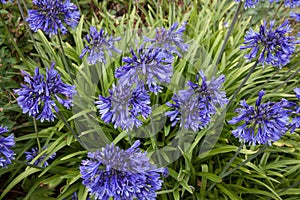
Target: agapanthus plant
column 169, row 41
column 52, row 15
column 6, row 154
column 98, row 43
column 249, row 3
column 296, row 16
column 37, row 97
column 148, row 65
column 124, row 106
column 121, row 174
column 263, row 123
column 288, row 3
column 30, row 155
column 195, row 106
column 273, row 47
column 4, row 1
column 296, row 120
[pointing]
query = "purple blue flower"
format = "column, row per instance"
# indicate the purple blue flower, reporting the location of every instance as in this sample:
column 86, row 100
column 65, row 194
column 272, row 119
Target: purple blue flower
column 169, row 41
column 288, row 3
column 195, row 106
column 273, row 47
column 98, row 43
column 296, row 16
column 262, row 124
column 6, row 154
column 121, row 174
column 37, row 97
column 148, row 66
column 52, row 15
column 249, row 3
column 30, row 155
column 296, row 120
column 124, row 106
column 4, row 1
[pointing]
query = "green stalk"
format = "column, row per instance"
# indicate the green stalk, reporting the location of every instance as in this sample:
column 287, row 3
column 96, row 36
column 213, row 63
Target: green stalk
column 37, row 134
column 274, row 15
column 66, row 66
column 227, row 36
column 245, row 162
column 37, row 167
column 241, row 85
column 226, row 167
column 68, row 125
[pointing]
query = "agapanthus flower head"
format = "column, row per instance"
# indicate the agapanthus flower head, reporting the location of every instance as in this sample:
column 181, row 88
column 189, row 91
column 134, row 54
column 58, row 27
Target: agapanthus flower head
column 124, row 106
column 288, row 3
column 169, row 41
column 121, row 174
column 195, row 106
column 296, row 111
column 273, row 47
column 296, row 16
column 249, row 3
column 4, row 1
column 52, row 16
column 37, row 96
column 148, row 65
column 30, row 155
column 262, row 123
column 6, row 154
column 98, row 44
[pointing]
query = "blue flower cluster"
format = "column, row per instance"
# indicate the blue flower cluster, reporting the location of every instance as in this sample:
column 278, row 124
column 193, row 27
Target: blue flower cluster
column 296, row 16
column 296, row 120
column 288, row 3
column 169, row 41
column 98, row 43
column 195, row 106
column 4, row 1
column 149, row 66
column 51, row 15
column 124, row 105
column 274, row 47
column 121, row 174
column 30, row 155
column 144, row 71
column 6, row 154
column 249, row 3
column 262, row 124
column 36, row 97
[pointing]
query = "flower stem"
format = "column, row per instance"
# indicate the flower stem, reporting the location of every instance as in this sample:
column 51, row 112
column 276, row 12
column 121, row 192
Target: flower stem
column 243, row 163
column 66, row 66
column 274, row 15
column 227, row 36
column 241, row 85
column 37, row 134
column 227, row 166
column 68, row 126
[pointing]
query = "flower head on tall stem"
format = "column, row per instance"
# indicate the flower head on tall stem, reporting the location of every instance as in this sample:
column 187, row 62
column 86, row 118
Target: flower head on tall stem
column 52, row 15
column 98, row 43
column 296, row 111
column 37, row 97
column 4, row 1
column 262, row 124
column 149, row 66
column 288, row 3
column 195, row 106
column 124, row 106
column 6, row 154
column 296, row 16
column 30, row 155
column 121, row 174
column 249, row 3
column 273, row 47
column 169, row 41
